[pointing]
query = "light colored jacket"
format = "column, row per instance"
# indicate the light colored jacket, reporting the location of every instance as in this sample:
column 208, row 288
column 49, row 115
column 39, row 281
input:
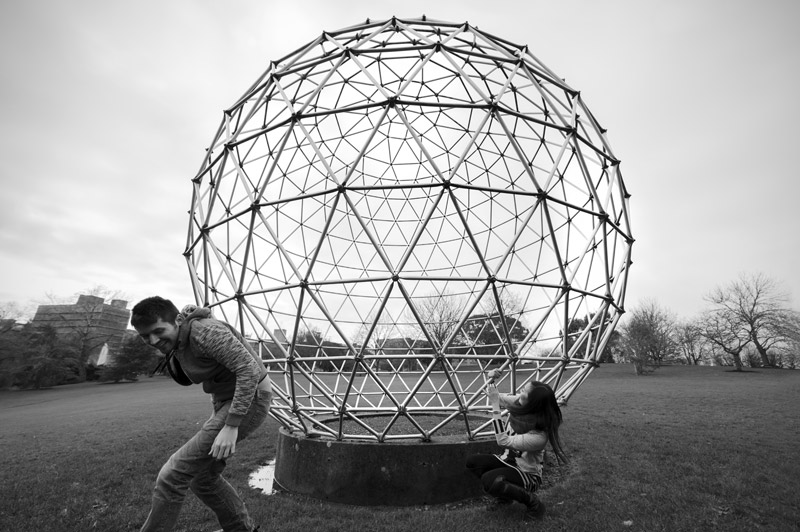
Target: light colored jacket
column 526, row 451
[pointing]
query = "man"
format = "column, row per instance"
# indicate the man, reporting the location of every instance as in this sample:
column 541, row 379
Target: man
column 200, row 349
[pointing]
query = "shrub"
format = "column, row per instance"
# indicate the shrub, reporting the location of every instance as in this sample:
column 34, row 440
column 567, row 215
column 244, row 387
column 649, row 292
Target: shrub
column 133, row 359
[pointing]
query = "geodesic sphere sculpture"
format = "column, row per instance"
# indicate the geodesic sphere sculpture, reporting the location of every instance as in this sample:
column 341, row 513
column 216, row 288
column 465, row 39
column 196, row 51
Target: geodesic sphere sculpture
column 397, row 208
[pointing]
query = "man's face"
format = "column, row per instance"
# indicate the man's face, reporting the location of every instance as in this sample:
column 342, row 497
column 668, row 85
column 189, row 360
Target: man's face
column 162, row 335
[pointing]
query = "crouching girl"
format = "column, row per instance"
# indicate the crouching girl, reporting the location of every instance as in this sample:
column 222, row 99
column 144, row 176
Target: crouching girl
column 516, row 474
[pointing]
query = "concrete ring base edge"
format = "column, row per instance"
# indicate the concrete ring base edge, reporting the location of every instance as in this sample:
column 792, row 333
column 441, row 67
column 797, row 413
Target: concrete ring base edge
column 377, row 474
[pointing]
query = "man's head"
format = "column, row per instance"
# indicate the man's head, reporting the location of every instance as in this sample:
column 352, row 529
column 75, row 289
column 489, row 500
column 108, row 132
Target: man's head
column 156, row 320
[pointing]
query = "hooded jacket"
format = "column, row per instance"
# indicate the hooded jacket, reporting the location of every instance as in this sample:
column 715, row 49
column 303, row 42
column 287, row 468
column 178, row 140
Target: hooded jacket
column 214, row 354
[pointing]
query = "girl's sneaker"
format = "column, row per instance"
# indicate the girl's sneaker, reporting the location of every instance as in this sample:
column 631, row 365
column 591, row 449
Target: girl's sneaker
column 495, row 503
column 534, row 509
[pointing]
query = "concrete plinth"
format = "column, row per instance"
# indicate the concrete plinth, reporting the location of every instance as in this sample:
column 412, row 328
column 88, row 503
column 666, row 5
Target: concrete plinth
column 371, row 474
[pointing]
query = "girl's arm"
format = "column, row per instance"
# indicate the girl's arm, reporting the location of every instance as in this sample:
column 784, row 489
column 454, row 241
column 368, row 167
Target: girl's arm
column 530, row 441
column 506, row 399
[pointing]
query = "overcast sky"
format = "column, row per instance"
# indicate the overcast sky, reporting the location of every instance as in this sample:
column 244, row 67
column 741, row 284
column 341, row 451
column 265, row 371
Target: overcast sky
column 107, row 108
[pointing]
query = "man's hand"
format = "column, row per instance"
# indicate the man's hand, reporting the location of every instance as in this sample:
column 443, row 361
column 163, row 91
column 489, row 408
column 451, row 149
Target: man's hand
column 225, row 442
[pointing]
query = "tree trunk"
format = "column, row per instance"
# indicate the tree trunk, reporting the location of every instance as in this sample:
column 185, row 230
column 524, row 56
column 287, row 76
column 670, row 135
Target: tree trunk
column 737, row 360
column 762, row 353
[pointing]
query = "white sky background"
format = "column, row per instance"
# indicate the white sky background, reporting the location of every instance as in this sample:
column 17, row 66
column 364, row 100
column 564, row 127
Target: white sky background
column 107, row 108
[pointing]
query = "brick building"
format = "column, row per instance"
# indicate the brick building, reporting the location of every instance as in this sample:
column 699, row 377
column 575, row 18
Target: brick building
column 91, row 321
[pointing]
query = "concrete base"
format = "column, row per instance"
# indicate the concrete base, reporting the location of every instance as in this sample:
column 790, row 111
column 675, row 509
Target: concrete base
column 377, row 474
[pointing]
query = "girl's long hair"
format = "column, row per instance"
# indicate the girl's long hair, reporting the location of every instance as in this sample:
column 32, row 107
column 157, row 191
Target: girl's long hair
column 540, row 413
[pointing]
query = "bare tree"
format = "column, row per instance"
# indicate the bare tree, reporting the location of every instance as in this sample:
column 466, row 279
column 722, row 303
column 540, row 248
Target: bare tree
column 381, row 331
column 97, row 290
column 787, row 353
column 577, row 327
column 648, row 336
column 439, row 314
column 380, row 338
column 88, row 324
column 497, row 326
column 691, row 342
column 10, row 310
column 754, row 305
column 724, row 332
column 792, row 358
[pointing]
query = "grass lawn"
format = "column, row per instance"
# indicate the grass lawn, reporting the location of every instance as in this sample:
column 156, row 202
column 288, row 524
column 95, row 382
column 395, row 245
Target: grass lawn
column 686, row 448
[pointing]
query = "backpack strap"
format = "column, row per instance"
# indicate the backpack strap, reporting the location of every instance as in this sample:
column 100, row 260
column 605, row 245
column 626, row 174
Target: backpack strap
column 172, row 363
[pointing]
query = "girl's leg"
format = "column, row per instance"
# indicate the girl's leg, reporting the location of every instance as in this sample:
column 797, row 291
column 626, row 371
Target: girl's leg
column 484, row 467
column 478, row 464
column 502, row 473
column 508, row 483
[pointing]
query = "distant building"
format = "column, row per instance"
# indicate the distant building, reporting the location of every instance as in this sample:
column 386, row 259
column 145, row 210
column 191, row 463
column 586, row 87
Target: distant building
column 269, row 349
column 93, row 322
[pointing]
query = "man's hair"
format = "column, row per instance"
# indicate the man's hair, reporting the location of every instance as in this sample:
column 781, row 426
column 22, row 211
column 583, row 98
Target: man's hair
column 150, row 310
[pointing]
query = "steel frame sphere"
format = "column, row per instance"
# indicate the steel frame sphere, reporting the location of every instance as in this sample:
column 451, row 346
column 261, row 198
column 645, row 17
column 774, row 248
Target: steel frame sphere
column 398, row 207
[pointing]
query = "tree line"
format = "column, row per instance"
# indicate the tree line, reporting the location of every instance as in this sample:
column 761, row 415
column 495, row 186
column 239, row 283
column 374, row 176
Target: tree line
column 36, row 355
column 746, row 323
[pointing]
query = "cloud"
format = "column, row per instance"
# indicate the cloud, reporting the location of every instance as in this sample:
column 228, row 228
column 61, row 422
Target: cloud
column 108, row 107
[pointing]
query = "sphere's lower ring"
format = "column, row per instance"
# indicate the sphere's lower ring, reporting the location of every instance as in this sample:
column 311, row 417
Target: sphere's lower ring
column 377, row 474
